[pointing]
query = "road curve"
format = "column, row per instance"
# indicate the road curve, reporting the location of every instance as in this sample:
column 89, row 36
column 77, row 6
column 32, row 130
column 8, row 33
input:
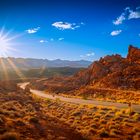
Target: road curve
column 136, row 108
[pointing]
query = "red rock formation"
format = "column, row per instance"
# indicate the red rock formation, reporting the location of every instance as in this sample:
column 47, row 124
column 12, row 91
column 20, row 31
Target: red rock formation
column 109, row 72
column 133, row 54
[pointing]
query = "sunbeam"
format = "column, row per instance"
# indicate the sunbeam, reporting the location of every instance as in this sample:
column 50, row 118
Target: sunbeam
column 7, row 42
column 4, row 69
column 18, row 72
column 6, row 46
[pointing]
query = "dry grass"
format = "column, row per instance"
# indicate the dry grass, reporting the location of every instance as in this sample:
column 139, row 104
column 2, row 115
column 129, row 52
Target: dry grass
column 96, row 121
column 36, row 118
column 104, row 94
column 23, row 117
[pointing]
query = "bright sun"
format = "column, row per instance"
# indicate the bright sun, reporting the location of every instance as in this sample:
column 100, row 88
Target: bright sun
column 6, row 46
column 6, row 43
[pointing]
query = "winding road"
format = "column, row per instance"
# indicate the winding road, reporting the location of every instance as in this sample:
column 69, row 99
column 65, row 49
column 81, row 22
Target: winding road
column 136, row 108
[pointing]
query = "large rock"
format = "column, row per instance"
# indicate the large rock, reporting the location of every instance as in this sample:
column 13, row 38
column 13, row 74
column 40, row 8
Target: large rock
column 109, row 72
column 113, row 72
column 133, row 54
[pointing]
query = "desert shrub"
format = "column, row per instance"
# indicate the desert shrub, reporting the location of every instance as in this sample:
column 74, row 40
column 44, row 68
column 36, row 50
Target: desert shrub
column 102, row 121
column 96, row 119
column 84, row 117
column 57, row 100
column 1, row 120
column 102, row 112
column 125, row 120
column 97, row 116
column 71, row 117
column 136, row 129
column 136, row 116
column 107, row 116
column 118, row 113
column 90, row 106
column 103, row 133
column 48, row 100
column 76, row 113
column 10, row 136
column 34, row 120
column 30, row 108
column 114, row 132
column 123, row 111
column 20, row 123
column 94, row 126
column 76, row 122
column 92, row 130
column 111, row 127
column 85, row 97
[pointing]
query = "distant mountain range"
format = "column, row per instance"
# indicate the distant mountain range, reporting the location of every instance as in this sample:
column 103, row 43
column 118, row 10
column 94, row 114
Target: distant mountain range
column 30, row 63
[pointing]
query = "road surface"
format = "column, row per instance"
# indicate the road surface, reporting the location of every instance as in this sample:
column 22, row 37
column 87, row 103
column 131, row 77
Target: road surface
column 136, row 108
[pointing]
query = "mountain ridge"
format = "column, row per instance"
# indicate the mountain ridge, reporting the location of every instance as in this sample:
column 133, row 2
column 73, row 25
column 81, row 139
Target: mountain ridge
column 111, row 71
column 28, row 63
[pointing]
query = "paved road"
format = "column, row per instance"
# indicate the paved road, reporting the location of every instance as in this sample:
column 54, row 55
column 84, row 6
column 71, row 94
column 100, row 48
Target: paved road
column 23, row 85
column 136, row 108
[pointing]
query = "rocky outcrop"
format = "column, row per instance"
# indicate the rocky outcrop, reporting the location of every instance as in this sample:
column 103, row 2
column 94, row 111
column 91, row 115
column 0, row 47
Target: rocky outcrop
column 133, row 55
column 117, row 72
column 109, row 72
column 113, row 72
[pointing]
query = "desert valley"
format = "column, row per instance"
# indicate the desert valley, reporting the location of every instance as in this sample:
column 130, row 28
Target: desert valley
column 69, row 69
column 67, row 111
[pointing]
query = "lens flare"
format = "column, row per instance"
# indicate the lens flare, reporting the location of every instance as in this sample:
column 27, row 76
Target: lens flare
column 6, row 43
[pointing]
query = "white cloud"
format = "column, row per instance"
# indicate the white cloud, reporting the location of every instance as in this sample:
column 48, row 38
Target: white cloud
column 33, row 30
column 43, row 41
column 51, row 39
column 66, row 25
column 60, row 38
column 90, row 54
column 62, row 25
column 128, row 14
column 87, row 55
column 120, row 19
column 134, row 14
column 116, row 32
column 82, row 23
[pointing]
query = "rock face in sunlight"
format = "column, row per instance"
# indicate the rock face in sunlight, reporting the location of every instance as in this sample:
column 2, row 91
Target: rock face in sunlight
column 109, row 72
column 114, row 71
column 133, row 55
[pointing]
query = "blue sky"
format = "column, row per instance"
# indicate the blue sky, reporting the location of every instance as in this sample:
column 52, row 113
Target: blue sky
column 72, row 29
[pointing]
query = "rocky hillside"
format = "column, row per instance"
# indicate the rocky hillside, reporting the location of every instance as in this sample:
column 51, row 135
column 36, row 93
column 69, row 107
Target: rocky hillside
column 114, row 71
column 109, row 72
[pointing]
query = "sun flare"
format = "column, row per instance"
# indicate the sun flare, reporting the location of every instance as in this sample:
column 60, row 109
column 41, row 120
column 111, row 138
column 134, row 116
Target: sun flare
column 6, row 47
column 6, row 43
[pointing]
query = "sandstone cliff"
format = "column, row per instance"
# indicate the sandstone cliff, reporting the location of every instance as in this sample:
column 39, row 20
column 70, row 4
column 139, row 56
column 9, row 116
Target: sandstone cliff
column 114, row 72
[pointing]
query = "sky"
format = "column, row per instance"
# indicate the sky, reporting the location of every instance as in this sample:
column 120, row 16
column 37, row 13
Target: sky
column 68, row 29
